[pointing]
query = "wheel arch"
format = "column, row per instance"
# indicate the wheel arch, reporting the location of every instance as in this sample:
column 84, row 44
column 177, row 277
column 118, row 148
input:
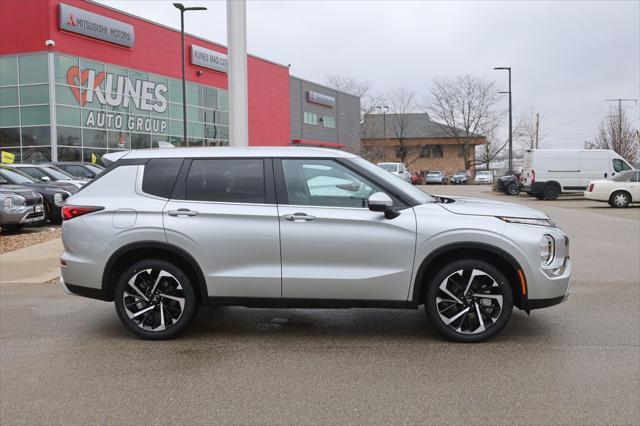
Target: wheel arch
column 131, row 253
column 496, row 256
column 553, row 183
column 614, row 192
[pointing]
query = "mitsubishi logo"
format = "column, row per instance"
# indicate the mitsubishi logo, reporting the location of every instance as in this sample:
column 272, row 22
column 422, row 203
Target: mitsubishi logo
column 72, row 20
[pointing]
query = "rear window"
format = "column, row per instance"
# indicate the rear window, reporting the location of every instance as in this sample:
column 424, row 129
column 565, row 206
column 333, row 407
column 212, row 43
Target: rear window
column 226, row 180
column 160, row 176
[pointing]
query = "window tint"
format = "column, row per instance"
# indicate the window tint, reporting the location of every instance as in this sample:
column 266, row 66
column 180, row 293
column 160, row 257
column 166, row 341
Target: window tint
column 325, row 183
column 33, row 172
column 76, row 171
column 619, row 165
column 223, row 180
column 160, row 175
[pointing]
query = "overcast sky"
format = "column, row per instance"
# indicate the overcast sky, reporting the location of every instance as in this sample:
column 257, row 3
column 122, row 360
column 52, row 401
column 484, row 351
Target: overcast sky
column 567, row 56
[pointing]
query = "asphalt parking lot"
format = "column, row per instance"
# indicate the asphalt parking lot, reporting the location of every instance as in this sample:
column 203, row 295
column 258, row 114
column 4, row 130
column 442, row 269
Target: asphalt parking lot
column 68, row 360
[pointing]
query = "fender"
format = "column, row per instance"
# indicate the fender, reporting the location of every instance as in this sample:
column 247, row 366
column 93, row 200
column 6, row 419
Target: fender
column 153, row 245
column 416, row 297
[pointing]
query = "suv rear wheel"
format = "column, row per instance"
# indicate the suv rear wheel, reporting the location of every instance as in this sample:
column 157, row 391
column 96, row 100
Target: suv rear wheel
column 155, row 299
column 469, row 301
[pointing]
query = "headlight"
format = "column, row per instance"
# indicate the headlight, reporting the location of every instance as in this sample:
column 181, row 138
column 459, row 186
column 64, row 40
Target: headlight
column 525, row 221
column 58, row 199
column 547, row 250
column 12, row 203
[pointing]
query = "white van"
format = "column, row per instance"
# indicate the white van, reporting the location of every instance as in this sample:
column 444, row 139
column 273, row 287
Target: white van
column 549, row 172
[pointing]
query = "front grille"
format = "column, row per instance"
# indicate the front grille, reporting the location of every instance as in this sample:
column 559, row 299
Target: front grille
column 34, row 201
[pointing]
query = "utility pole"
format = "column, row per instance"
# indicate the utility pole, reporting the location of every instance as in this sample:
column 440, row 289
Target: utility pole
column 620, row 100
column 537, row 128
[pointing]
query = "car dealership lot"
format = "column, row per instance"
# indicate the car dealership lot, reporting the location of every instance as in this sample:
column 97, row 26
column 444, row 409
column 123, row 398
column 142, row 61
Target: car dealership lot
column 66, row 359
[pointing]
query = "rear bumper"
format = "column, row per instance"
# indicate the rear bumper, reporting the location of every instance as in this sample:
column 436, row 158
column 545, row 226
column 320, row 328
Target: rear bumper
column 77, row 290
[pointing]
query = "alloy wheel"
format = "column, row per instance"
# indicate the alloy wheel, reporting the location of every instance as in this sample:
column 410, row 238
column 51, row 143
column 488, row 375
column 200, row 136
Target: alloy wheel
column 469, row 301
column 153, row 299
column 620, row 200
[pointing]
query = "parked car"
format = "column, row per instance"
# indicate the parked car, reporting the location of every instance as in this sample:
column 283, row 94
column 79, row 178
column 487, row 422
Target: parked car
column 483, row 177
column 78, row 169
column 436, row 177
column 397, row 169
column 53, row 196
column 620, row 191
column 508, row 184
column 460, row 178
column 547, row 173
column 263, row 228
column 417, row 178
column 19, row 206
column 49, row 173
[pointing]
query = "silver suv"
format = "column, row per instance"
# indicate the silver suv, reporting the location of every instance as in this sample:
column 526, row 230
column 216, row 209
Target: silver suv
column 162, row 231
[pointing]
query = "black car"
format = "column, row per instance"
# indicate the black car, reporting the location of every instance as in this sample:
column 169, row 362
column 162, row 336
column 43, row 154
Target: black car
column 508, row 184
column 78, row 169
column 53, row 195
column 460, row 178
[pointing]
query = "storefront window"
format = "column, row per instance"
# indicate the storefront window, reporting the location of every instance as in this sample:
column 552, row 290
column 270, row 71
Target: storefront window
column 32, row 115
column 94, row 138
column 36, row 94
column 69, row 136
column 8, row 71
column 36, row 136
column 68, row 116
column 33, row 69
column 9, row 137
column 9, row 117
column 36, row 154
column 62, row 66
column 8, row 96
column 69, row 154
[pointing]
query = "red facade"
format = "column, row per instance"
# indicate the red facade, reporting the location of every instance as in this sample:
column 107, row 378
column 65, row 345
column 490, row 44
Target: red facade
column 26, row 24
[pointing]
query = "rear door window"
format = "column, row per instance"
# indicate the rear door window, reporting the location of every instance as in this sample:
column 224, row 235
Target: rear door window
column 160, row 176
column 226, row 181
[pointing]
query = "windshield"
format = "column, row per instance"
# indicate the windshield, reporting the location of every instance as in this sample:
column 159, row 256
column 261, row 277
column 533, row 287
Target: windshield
column 57, row 174
column 393, row 181
column 390, row 167
column 485, row 173
column 434, row 173
column 461, row 173
column 624, row 176
column 15, row 177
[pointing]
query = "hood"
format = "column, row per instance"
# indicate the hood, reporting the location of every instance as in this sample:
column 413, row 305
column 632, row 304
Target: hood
column 480, row 207
column 23, row 190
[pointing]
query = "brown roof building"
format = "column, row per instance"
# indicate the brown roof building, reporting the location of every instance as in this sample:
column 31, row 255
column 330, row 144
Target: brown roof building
column 416, row 141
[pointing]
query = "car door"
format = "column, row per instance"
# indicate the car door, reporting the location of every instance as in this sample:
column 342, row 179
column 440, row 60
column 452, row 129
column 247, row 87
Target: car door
column 223, row 212
column 333, row 246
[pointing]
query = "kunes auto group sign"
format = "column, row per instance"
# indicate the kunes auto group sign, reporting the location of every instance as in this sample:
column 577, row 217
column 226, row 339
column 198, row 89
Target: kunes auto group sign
column 118, row 91
column 90, row 24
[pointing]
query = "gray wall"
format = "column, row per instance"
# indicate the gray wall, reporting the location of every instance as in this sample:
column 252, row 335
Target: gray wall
column 346, row 111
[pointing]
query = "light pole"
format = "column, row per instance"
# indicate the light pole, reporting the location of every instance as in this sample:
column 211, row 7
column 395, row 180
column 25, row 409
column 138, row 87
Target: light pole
column 183, row 9
column 384, row 110
column 510, row 120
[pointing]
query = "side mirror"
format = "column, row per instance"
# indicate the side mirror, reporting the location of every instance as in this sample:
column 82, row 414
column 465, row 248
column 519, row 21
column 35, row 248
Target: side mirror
column 381, row 202
column 45, row 179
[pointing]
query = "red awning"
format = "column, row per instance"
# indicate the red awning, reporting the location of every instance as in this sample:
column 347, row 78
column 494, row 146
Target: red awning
column 323, row 144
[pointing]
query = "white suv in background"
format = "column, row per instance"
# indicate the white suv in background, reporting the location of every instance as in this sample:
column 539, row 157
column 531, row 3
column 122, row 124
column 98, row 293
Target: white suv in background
column 397, row 169
column 162, row 231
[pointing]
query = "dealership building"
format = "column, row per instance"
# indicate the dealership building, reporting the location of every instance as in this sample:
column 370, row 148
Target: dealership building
column 79, row 79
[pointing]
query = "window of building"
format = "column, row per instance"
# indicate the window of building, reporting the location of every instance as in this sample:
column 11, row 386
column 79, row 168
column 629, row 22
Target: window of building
column 310, row 118
column 9, row 117
column 33, row 69
column 8, row 96
column 9, row 137
column 436, row 151
column 36, row 136
column 227, row 181
column 325, row 183
column 329, row 121
column 461, row 151
column 8, row 70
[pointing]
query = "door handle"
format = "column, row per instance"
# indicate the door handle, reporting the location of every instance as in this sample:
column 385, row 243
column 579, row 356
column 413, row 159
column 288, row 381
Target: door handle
column 299, row 216
column 182, row 212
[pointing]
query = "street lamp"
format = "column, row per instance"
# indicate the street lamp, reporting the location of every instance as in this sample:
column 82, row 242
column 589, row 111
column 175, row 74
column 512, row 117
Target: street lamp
column 510, row 120
column 183, row 9
column 384, row 109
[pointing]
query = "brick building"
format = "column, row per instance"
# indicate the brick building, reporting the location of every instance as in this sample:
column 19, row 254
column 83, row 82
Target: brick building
column 427, row 145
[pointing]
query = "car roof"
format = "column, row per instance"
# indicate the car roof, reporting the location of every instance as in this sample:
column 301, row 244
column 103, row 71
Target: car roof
column 223, row 152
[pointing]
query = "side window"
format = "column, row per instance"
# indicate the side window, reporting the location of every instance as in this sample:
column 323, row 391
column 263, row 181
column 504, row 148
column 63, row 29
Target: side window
column 33, row 172
column 619, row 165
column 160, row 176
column 318, row 182
column 77, row 171
column 226, row 181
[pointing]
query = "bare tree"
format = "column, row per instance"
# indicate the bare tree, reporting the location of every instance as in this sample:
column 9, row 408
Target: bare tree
column 466, row 104
column 401, row 104
column 528, row 133
column 615, row 133
column 491, row 149
column 362, row 89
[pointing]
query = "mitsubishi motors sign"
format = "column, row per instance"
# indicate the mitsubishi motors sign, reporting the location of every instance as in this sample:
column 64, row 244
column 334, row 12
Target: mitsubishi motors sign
column 91, row 24
column 118, row 91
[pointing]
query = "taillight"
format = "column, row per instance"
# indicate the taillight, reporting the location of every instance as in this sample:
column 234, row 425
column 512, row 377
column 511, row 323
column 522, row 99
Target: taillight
column 590, row 188
column 69, row 212
column 533, row 177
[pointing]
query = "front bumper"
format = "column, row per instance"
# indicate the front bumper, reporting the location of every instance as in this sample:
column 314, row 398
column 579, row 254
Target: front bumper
column 24, row 216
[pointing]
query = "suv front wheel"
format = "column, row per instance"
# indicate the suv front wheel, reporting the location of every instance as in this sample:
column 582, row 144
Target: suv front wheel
column 469, row 301
column 154, row 299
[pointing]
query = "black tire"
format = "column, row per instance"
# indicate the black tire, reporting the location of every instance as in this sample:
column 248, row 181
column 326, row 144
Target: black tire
column 168, row 291
column 513, row 189
column 492, row 283
column 551, row 192
column 12, row 228
column 620, row 199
